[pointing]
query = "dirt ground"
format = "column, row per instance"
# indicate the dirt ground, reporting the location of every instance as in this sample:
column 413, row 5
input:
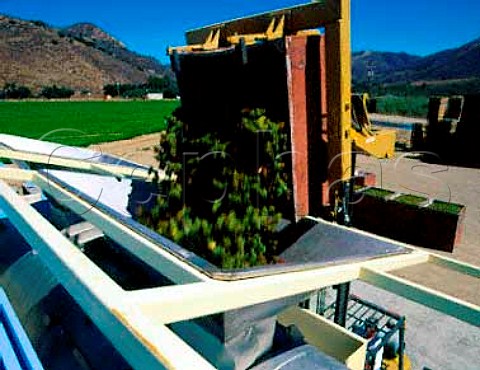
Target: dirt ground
column 434, row 340
column 139, row 149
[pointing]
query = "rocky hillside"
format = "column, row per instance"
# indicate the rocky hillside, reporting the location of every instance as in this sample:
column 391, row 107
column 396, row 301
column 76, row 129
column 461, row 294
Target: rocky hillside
column 82, row 57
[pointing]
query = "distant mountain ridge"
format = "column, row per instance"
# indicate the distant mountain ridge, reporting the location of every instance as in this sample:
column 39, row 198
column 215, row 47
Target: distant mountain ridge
column 379, row 65
column 83, row 57
column 453, row 64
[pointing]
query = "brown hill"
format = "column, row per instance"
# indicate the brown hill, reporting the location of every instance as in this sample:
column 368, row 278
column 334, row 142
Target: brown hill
column 82, row 57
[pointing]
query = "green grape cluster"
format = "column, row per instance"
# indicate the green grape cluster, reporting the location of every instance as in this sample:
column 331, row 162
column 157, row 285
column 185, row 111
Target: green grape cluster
column 225, row 196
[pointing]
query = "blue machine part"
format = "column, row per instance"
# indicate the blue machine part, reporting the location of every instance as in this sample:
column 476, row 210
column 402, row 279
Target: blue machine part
column 16, row 351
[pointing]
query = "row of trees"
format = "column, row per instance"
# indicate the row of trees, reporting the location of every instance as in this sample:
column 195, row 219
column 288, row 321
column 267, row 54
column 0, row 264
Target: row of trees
column 54, row 92
column 12, row 91
column 454, row 87
column 155, row 84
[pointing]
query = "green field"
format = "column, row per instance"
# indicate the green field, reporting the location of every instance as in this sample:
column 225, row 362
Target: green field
column 84, row 123
column 408, row 106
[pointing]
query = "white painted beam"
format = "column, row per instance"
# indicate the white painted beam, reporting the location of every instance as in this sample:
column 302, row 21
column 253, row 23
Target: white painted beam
column 179, row 303
column 454, row 265
column 431, row 298
column 171, row 350
column 85, row 165
column 15, row 174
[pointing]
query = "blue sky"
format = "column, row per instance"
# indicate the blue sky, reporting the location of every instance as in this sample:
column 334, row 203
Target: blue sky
column 148, row 26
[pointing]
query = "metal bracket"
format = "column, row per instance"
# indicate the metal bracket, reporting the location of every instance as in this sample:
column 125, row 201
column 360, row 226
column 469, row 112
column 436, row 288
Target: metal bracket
column 211, row 43
column 275, row 31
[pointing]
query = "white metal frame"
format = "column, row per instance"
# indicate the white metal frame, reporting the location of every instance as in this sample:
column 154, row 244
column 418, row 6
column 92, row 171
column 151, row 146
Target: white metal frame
column 116, row 170
column 135, row 321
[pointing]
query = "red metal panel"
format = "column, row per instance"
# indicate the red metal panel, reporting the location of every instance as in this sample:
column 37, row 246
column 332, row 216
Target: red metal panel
column 297, row 98
column 308, row 121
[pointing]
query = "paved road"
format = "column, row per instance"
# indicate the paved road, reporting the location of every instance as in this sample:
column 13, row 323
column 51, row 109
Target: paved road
column 396, row 119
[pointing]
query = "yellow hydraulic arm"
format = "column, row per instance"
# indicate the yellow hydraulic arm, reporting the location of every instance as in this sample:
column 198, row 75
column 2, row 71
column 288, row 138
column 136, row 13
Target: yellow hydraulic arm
column 377, row 143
